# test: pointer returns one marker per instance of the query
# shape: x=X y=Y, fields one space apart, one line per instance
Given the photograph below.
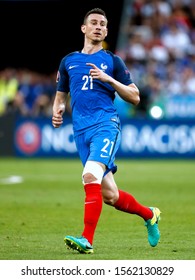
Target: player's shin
x=92 y=210
x=127 y=203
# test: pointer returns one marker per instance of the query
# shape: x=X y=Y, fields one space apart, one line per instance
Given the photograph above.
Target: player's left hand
x=97 y=73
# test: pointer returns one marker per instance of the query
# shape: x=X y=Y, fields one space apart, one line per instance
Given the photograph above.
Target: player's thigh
x=109 y=188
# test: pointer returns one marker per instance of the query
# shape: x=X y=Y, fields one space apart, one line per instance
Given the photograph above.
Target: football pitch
x=41 y=201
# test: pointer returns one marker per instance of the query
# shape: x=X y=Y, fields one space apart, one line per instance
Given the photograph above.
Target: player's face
x=95 y=27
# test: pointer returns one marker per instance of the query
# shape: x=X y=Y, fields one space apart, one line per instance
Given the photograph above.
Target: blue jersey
x=92 y=101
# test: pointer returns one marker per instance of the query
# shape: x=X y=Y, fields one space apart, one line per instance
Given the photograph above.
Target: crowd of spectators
x=160 y=48
x=27 y=93
x=159 y=51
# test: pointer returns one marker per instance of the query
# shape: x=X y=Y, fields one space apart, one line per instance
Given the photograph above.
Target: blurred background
x=156 y=39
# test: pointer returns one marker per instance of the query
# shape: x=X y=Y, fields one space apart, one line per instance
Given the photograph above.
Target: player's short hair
x=94 y=11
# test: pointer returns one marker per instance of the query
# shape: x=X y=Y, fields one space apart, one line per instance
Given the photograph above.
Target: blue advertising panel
x=140 y=138
x=180 y=106
x=158 y=138
x=38 y=138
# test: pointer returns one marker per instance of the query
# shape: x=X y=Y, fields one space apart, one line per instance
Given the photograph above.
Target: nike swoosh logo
x=103 y=155
x=89 y=202
x=70 y=67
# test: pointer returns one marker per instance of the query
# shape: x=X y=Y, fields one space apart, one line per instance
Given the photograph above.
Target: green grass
x=37 y=213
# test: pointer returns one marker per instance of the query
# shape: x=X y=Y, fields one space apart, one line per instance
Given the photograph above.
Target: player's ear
x=106 y=32
x=83 y=28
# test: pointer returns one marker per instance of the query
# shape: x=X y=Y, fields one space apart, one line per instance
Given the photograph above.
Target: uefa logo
x=28 y=138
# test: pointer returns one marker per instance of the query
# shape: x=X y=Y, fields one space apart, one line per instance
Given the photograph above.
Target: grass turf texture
x=37 y=213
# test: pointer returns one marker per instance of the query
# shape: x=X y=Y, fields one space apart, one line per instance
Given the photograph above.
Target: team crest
x=103 y=66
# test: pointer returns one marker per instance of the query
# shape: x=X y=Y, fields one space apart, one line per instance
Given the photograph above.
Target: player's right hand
x=58 y=112
x=57 y=119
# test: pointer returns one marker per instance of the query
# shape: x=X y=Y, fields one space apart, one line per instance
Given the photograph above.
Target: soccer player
x=92 y=76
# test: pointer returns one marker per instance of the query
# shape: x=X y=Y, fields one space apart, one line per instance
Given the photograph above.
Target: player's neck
x=90 y=49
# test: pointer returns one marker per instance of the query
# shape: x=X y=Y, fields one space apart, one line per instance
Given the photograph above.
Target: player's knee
x=110 y=197
x=92 y=173
x=89 y=178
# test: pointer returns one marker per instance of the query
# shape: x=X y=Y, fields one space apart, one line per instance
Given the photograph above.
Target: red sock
x=92 y=210
x=127 y=203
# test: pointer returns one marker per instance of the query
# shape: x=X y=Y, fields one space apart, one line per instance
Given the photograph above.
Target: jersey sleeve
x=121 y=72
x=62 y=78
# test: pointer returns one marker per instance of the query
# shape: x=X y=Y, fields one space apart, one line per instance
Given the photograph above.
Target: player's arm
x=59 y=106
x=129 y=93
